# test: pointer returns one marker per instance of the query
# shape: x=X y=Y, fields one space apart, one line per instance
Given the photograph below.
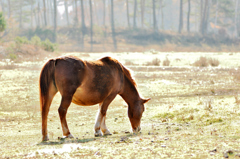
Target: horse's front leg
x=100 y=125
x=98 y=122
x=104 y=127
x=62 y=110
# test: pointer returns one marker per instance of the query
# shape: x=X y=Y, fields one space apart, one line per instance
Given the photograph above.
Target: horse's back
x=89 y=82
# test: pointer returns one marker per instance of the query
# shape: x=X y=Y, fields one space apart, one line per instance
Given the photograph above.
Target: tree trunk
x=9 y=9
x=2 y=4
x=135 y=15
x=50 y=16
x=204 y=18
x=208 y=14
x=44 y=12
x=180 y=17
x=112 y=25
x=162 y=18
x=201 y=15
x=188 y=17
x=236 y=17
x=31 y=14
x=142 y=12
x=38 y=13
x=83 y=23
x=20 y=14
x=216 y=18
x=104 y=13
x=66 y=11
x=154 y=16
x=35 y=16
x=104 y=17
x=95 y=11
x=127 y=8
x=76 y=12
x=83 y=17
x=55 y=20
x=91 y=23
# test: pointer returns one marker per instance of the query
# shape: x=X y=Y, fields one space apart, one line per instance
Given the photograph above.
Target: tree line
x=182 y=16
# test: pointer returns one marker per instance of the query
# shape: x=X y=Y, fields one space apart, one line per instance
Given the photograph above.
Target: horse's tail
x=46 y=78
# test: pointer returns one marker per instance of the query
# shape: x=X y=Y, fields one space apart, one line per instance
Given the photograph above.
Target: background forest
x=125 y=25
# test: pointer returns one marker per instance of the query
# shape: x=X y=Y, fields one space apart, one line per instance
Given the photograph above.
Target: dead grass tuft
x=154 y=62
x=166 y=62
x=237 y=101
x=213 y=62
x=129 y=63
x=205 y=62
x=201 y=62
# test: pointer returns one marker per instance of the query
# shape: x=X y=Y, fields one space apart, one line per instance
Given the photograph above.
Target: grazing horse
x=87 y=83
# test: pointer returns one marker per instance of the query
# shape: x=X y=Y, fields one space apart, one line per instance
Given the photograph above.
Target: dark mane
x=126 y=72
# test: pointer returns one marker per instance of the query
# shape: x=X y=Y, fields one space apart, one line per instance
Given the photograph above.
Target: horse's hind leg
x=45 y=109
x=100 y=124
x=62 y=110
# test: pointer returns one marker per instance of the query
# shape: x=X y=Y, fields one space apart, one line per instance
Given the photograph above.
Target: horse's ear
x=145 y=100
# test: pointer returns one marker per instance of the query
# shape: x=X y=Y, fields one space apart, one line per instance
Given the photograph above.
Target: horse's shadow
x=66 y=141
x=83 y=140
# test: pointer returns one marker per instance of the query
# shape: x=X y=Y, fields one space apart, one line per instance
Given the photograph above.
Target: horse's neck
x=130 y=93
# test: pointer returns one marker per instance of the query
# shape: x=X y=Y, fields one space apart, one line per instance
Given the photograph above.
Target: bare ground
x=194 y=112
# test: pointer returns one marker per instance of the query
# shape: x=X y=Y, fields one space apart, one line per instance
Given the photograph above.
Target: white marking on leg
x=98 y=124
x=104 y=127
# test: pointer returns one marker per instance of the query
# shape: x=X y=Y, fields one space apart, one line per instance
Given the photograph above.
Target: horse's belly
x=85 y=98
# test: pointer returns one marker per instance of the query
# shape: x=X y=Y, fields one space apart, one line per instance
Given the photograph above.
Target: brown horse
x=88 y=83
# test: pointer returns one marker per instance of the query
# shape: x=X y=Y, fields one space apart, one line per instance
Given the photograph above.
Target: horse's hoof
x=107 y=132
x=98 y=134
x=45 y=138
x=70 y=136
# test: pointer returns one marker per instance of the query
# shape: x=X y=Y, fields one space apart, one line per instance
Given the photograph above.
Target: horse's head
x=135 y=114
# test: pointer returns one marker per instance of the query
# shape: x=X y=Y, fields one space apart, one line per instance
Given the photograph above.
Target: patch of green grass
x=214 y=120
x=181 y=115
x=165 y=115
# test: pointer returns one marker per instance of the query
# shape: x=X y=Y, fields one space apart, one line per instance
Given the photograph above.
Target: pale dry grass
x=191 y=115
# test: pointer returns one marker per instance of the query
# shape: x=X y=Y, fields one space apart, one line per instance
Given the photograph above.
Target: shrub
x=48 y=45
x=154 y=62
x=204 y=62
x=201 y=62
x=35 y=40
x=2 y=22
x=166 y=62
x=213 y=62
x=21 y=40
x=41 y=33
x=12 y=56
x=129 y=63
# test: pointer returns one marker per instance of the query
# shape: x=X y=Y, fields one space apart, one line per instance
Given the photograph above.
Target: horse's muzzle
x=137 y=129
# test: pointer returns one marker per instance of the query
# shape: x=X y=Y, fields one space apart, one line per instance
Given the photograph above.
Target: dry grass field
x=194 y=111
